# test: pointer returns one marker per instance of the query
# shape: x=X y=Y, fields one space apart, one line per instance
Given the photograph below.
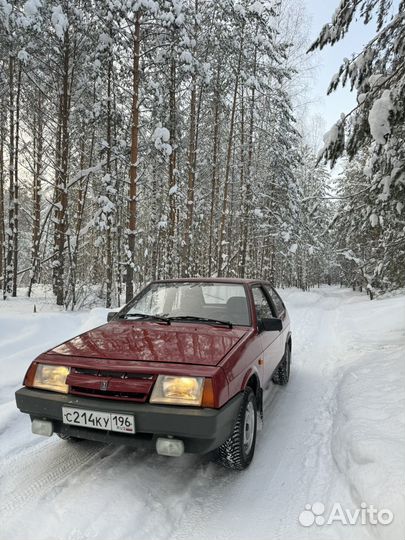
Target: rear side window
x=220 y=293
x=262 y=306
x=278 y=303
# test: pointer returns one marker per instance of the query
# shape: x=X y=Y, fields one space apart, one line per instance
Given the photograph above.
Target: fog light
x=42 y=427
x=169 y=447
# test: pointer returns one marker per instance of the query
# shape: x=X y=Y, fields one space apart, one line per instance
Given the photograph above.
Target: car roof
x=211 y=280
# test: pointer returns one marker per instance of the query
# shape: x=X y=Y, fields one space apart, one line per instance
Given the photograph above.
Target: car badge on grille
x=103 y=385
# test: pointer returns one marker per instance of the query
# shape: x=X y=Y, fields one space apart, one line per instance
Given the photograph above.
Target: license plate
x=123 y=423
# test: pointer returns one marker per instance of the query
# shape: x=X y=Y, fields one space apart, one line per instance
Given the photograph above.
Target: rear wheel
x=282 y=373
x=237 y=451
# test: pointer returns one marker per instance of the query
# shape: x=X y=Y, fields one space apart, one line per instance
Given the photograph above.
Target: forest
x=150 y=139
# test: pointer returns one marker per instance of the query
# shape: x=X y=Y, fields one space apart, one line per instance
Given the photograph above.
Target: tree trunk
x=212 y=248
x=191 y=181
x=58 y=158
x=81 y=201
x=36 y=193
x=242 y=175
x=133 y=171
x=16 y=186
x=109 y=258
x=61 y=196
x=118 y=266
x=2 y=215
x=246 y=193
x=225 y=203
x=154 y=229
x=9 y=272
x=170 y=255
x=192 y=164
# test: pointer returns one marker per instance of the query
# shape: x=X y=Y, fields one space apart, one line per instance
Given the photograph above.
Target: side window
x=278 y=303
x=263 y=309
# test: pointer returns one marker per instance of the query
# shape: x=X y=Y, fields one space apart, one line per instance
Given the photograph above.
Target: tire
x=238 y=450
x=281 y=375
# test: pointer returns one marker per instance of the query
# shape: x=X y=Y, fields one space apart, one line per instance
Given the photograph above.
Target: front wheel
x=238 y=450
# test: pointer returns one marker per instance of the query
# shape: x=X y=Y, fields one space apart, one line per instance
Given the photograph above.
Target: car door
x=270 y=340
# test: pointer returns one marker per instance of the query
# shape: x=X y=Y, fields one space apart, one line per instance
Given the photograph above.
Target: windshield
x=220 y=301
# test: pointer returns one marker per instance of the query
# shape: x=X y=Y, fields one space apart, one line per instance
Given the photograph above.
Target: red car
x=181 y=368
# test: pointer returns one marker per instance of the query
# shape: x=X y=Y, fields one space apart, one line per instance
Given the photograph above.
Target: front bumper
x=201 y=430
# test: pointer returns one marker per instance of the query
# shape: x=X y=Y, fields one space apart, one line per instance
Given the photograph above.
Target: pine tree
x=374 y=129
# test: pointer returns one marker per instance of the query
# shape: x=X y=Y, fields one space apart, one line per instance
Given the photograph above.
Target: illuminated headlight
x=50 y=377
x=178 y=390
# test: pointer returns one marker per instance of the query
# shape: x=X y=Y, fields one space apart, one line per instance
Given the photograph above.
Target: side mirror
x=270 y=325
x=111 y=315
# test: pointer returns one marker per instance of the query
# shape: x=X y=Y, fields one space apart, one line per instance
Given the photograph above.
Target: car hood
x=152 y=342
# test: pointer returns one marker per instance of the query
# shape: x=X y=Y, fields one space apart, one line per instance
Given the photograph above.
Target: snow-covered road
x=335 y=434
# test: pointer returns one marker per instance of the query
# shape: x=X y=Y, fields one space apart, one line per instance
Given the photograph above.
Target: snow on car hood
x=151 y=342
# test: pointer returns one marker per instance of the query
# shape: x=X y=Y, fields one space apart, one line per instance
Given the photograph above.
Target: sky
x=330 y=58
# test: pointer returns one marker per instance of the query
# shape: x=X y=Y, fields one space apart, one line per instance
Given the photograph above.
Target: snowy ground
x=335 y=434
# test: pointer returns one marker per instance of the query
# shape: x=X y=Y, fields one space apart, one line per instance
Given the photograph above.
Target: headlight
x=50 y=377
x=178 y=390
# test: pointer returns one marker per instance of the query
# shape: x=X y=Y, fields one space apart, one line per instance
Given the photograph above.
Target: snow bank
x=294 y=297
x=24 y=335
x=368 y=441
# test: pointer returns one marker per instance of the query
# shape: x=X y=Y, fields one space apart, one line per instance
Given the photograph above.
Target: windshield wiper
x=201 y=319
x=145 y=316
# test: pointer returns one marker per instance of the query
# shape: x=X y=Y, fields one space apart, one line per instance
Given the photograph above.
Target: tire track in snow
x=31 y=475
x=267 y=471
x=298 y=423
